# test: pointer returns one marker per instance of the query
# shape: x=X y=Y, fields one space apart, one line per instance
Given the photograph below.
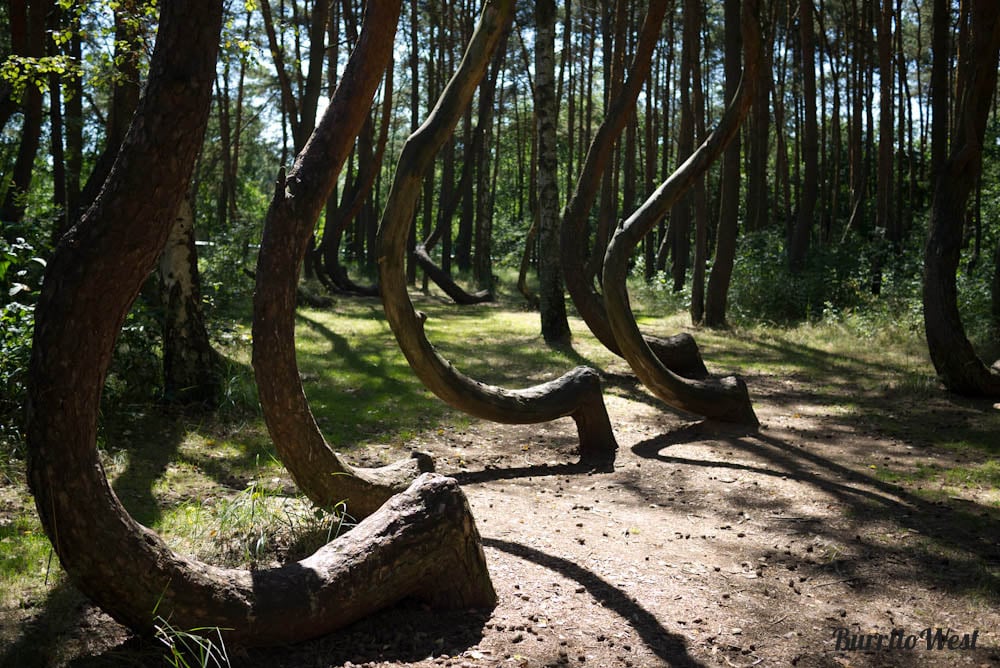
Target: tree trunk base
x=680 y=354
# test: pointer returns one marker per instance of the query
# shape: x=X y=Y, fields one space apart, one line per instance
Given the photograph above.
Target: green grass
x=26 y=560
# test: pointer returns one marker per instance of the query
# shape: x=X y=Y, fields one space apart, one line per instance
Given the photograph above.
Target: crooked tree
x=956 y=171
x=298 y=199
x=576 y=394
x=724 y=399
x=423 y=543
x=679 y=352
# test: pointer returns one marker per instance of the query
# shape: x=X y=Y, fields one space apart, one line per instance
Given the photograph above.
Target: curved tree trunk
x=422 y=255
x=955 y=360
x=297 y=202
x=445 y=282
x=726 y=399
x=576 y=394
x=680 y=352
x=423 y=543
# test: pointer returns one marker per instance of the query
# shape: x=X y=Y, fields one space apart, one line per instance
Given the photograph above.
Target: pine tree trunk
x=955 y=360
x=552 y=300
x=805 y=221
x=729 y=208
x=288 y=226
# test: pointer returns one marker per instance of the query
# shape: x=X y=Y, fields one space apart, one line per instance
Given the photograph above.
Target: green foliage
x=765 y=289
x=24 y=71
x=135 y=373
x=16 y=327
x=20 y=275
x=837 y=282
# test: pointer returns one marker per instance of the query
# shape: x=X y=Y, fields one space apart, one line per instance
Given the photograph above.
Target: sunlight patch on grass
x=359 y=385
x=257 y=527
x=986 y=475
x=26 y=559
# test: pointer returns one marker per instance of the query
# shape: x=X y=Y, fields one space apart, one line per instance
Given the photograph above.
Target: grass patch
x=358 y=383
x=26 y=559
x=257 y=527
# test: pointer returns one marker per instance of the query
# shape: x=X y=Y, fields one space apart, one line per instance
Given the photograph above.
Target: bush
x=20 y=275
x=836 y=278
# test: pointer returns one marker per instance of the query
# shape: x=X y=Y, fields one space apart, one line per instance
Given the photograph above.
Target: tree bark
x=552 y=299
x=124 y=99
x=954 y=358
x=726 y=399
x=482 y=259
x=13 y=206
x=576 y=394
x=804 y=223
x=680 y=215
x=298 y=199
x=886 y=219
x=699 y=202
x=729 y=206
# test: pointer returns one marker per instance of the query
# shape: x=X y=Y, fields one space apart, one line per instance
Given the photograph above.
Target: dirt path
x=704 y=547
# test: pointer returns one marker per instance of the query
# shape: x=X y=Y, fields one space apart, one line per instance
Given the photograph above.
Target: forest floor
x=867 y=503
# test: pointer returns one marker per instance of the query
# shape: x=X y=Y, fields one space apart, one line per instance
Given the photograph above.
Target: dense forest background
x=831 y=200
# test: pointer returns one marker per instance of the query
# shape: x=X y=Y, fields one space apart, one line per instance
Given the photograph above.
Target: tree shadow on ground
x=493 y=474
x=969 y=528
x=407 y=632
x=66 y=624
x=669 y=647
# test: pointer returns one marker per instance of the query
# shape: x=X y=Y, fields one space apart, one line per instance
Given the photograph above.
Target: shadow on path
x=965 y=525
x=670 y=647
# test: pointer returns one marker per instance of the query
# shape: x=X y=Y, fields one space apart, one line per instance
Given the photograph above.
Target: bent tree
x=576 y=394
x=722 y=399
x=680 y=352
x=288 y=227
x=954 y=358
x=423 y=543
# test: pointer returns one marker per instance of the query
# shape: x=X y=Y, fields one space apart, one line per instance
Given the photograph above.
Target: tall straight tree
x=680 y=216
x=729 y=206
x=552 y=300
x=799 y=243
x=27 y=39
